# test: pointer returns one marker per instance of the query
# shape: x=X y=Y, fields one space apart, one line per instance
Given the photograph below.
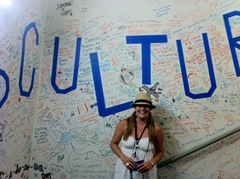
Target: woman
x=141 y=142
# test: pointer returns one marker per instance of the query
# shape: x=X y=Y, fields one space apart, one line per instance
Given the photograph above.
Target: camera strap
x=136 y=144
x=138 y=139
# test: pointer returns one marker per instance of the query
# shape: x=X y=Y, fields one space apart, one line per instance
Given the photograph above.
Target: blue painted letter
x=233 y=42
x=4 y=75
x=54 y=67
x=146 y=41
x=99 y=91
x=210 y=70
x=22 y=92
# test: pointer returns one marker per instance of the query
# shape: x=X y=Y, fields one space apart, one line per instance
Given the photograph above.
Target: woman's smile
x=142 y=111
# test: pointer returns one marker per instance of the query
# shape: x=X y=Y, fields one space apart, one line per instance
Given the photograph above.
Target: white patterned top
x=145 y=151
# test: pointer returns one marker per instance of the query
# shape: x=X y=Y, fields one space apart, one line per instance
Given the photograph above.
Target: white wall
x=20 y=54
x=84 y=87
x=220 y=160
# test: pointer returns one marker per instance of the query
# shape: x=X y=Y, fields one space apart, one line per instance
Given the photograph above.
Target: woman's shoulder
x=123 y=122
x=158 y=128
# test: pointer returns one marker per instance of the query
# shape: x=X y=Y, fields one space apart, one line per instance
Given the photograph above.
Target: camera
x=137 y=163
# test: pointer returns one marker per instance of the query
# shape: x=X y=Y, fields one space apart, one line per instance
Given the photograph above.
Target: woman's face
x=142 y=111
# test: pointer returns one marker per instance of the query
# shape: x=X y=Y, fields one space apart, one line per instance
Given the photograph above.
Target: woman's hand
x=145 y=167
x=128 y=162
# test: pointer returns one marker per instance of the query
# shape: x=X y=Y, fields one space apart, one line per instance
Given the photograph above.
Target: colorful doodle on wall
x=70 y=71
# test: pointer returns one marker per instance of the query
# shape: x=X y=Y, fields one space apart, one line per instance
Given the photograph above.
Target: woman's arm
x=159 y=148
x=114 y=144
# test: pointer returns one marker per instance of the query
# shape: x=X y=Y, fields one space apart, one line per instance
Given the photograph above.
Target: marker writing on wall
x=145 y=41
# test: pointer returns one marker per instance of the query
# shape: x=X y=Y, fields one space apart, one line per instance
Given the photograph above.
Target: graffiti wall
x=220 y=160
x=70 y=70
x=20 y=59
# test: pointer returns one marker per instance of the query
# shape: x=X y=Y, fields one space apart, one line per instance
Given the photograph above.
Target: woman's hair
x=130 y=127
